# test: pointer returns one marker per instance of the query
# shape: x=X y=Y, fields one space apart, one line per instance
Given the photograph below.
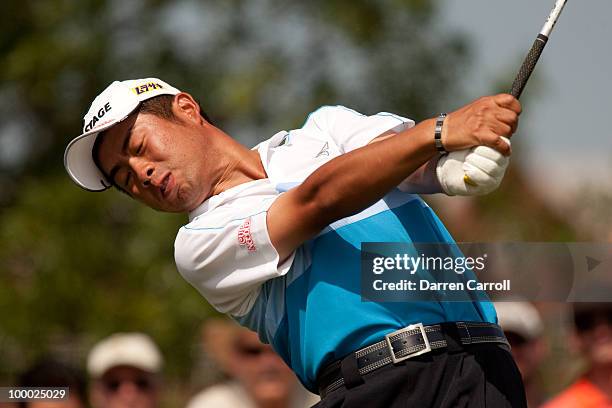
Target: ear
x=186 y=108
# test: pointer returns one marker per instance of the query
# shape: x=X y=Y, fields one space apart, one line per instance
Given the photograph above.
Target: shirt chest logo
x=324 y=151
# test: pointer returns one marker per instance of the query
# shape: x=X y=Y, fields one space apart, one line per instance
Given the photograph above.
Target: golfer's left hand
x=475 y=171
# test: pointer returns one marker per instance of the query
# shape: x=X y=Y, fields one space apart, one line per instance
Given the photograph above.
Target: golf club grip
x=528 y=65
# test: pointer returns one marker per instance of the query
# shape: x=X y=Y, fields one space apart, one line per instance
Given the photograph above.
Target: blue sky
x=566 y=141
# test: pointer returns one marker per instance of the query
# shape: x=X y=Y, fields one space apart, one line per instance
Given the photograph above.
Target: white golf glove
x=483 y=166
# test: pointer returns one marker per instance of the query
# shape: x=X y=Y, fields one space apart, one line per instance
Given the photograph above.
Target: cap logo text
x=96 y=117
x=151 y=86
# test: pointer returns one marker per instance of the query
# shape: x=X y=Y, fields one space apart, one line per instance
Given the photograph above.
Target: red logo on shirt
x=245 y=238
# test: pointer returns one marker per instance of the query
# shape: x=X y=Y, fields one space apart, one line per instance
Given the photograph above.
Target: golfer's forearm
x=424 y=180
x=354 y=181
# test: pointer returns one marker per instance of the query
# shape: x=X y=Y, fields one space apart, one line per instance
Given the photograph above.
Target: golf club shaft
x=536 y=50
x=531 y=60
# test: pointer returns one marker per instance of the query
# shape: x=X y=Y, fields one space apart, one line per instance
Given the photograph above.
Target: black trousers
x=476 y=376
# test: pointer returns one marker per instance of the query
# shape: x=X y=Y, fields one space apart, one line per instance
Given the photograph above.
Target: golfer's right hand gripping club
x=532 y=59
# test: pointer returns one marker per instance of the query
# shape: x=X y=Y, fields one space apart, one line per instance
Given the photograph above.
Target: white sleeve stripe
x=403 y=120
x=313 y=112
x=350 y=110
x=330 y=106
x=354 y=112
x=223 y=226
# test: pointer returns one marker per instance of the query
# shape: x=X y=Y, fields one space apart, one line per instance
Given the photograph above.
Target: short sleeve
x=227 y=263
x=350 y=129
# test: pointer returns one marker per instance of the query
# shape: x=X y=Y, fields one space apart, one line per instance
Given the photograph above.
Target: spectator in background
x=125 y=370
x=593 y=340
x=258 y=376
x=523 y=327
x=49 y=372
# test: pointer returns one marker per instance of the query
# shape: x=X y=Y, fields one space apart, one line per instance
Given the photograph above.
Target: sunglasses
x=515 y=339
x=251 y=351
x=113 y=384
x=586 y=321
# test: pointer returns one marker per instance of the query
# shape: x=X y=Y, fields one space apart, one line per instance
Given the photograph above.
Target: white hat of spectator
x=521 y=318
x=124 y=349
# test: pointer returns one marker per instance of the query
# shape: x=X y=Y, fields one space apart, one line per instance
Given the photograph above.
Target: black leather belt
x=409 y=342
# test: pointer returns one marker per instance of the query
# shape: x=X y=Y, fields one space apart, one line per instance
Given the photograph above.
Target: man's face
x=261 y=371
x=528 y=353
x=594 y=335
x=71 y=402
x=157 y=161
x=125 y=387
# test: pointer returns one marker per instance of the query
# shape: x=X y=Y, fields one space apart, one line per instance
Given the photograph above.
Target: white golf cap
x=124 y=349
x=112 y=106
x=521 y=318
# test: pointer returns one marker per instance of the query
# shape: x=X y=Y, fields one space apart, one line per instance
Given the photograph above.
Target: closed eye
x=128 y=177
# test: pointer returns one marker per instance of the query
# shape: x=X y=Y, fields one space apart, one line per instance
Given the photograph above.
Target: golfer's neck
x=239 y=169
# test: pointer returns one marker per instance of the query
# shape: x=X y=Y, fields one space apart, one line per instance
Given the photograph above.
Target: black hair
x=49 y=372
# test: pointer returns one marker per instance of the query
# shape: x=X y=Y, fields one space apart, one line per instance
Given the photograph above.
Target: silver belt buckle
x=418 y=326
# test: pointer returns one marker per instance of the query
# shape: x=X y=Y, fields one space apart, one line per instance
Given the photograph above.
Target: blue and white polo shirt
x=309 y=307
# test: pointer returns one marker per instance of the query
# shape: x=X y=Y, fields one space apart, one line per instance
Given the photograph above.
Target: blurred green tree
x=76 y=266
x=256 y=65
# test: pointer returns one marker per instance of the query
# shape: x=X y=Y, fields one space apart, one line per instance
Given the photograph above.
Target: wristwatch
x=438 y=134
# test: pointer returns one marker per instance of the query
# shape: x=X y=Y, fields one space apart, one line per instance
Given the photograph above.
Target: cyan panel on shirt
x=314 y=314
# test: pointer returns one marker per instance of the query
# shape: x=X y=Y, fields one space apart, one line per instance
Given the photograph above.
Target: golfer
x=274 y=234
